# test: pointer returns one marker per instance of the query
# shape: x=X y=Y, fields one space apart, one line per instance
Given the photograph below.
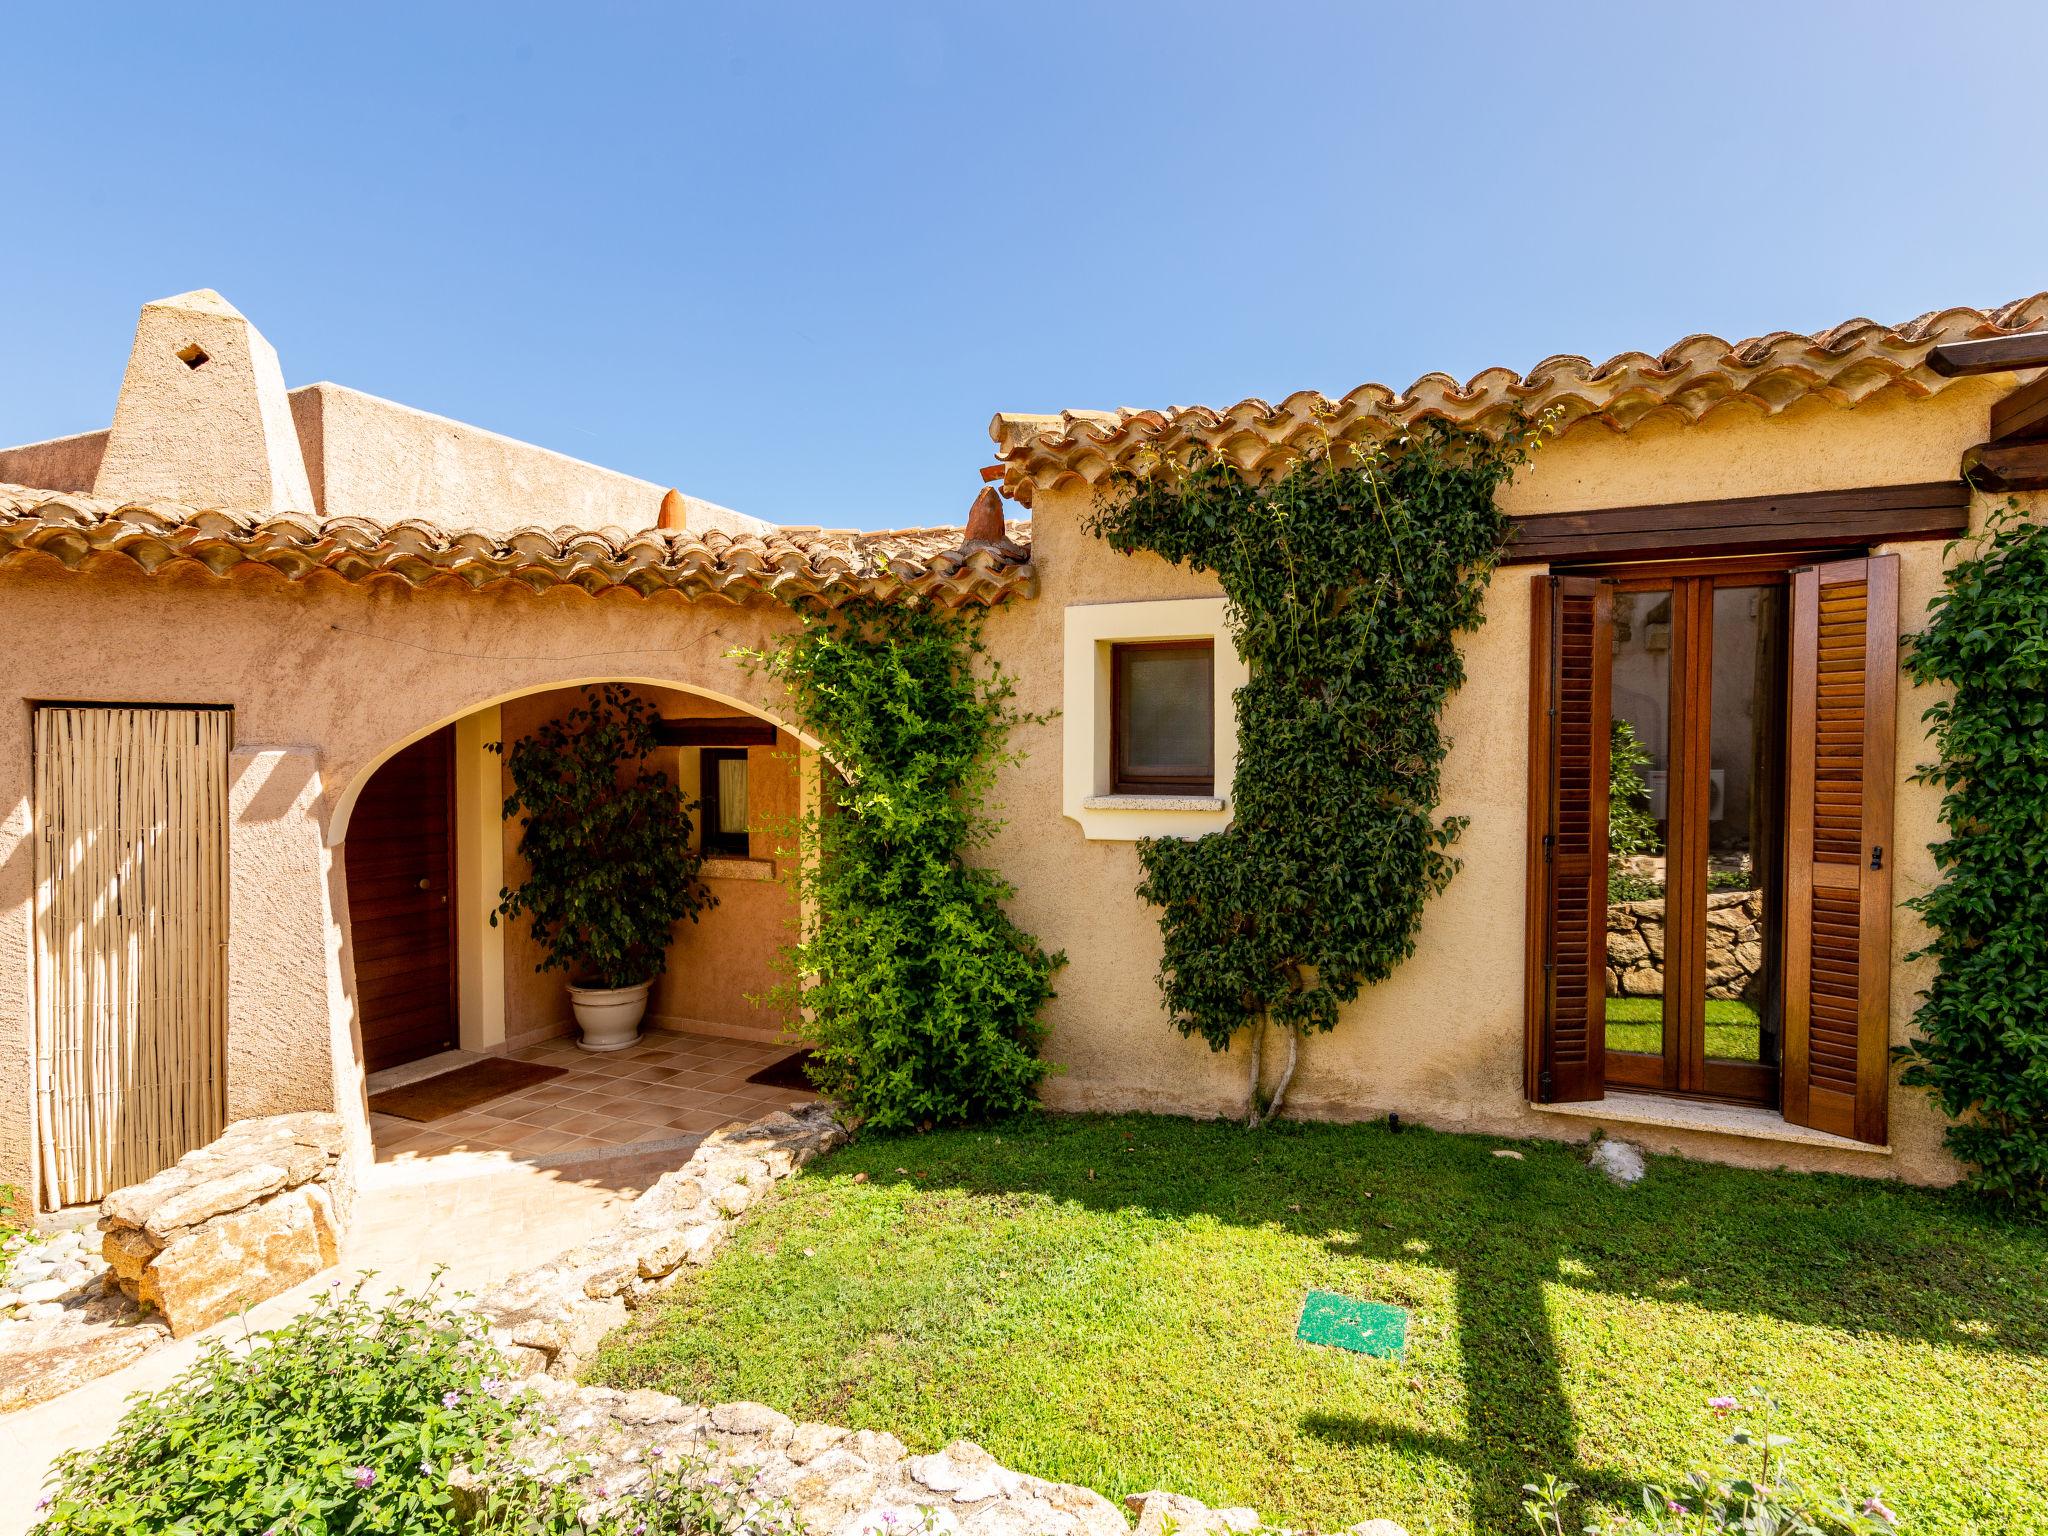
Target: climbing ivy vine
x=1349 y=579
x=922 y=993
x=1982 y=1041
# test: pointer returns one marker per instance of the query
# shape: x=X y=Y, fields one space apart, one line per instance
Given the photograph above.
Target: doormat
x=449 y=1093
x=786 y=1073
x=1365 y=1327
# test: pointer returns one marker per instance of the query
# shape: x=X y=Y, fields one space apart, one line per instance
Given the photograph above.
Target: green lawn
x=1112 y=1301
x=1637 y=1024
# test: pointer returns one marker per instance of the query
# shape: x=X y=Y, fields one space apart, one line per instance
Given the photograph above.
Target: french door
x=1711 y=791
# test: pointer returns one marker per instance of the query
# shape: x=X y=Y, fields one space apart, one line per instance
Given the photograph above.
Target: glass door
x=1695 y=753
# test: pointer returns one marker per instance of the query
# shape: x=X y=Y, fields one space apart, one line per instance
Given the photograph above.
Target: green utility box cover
x=1366 y=1327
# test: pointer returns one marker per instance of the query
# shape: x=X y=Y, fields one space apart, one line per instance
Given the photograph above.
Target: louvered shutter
x=1838 y=812
x=1575 y=642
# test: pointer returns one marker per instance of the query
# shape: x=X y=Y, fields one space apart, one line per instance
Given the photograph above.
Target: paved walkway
x=482 y=1215
x=665 y=1086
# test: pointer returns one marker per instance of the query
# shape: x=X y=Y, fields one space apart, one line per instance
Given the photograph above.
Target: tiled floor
x=666 y=1086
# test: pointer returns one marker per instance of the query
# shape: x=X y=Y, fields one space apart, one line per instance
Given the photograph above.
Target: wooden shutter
x=1573 y=650
x=1838 y=813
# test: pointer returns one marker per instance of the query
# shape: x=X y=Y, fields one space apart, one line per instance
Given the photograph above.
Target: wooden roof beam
x=2008 y=467
x=1993 y=354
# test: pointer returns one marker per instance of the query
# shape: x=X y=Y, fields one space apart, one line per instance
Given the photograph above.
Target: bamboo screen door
x=131 y=942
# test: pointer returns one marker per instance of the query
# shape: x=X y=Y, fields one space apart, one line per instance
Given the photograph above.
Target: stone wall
x=824 y=1480
x=552 y=1318
x=234 y=1222
x=1735 y=953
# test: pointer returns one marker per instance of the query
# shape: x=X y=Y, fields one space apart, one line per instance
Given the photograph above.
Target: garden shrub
x=606 y=842
x=1631 y=829
x=1349 y=581
x=922 y=995
x=1982 y=1042
x=346 y=1419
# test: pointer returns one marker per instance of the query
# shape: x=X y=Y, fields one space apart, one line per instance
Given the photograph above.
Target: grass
x=1637 y=1024
x=1112 y=1301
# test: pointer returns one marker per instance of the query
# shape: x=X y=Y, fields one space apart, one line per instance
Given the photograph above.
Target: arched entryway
x=439 y=991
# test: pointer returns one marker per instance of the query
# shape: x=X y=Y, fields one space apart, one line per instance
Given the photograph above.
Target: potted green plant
x=607 y=848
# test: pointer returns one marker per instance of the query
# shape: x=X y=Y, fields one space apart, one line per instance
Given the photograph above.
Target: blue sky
x=792 y=258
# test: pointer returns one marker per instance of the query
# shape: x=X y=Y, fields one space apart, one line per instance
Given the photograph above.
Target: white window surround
x=1085 y=797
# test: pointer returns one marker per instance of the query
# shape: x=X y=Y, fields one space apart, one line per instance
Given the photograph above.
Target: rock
x=232 y=1223
x=1376 y=1528
x=237 y=1260
x=814 y=1440
x=1621 y=1161
x=43 y=1290
x=753 y=1419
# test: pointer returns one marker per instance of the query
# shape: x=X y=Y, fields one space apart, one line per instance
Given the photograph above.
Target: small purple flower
x=888 y=1517
x=491 y=1384
x=362 y=1477
x=42 y=1504
x=451 y=1400
x=1723 y=1404
x=1876 y=1506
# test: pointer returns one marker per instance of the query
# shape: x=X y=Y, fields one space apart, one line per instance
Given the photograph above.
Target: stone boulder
x=235 y=1222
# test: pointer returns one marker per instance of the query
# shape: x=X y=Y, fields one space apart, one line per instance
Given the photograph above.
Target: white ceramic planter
x=609 y=1016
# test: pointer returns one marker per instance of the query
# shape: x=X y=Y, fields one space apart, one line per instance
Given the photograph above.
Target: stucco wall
x=1441 y=1040
x=351 y=673
x=375 y=458
x=61 y=464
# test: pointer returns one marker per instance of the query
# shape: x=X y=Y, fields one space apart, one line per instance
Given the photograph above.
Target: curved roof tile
x=1845 y=364
x=792 y=564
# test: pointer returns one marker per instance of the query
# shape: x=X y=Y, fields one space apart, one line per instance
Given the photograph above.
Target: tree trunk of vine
x=1286 y=1074
x=1251 y=1098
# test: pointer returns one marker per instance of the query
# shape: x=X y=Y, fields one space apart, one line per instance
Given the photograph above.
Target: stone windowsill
x=1751 y=1122
x=737 y=869
x=1153 y=803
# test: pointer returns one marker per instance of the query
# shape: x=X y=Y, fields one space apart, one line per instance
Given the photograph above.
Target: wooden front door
x=400 y=855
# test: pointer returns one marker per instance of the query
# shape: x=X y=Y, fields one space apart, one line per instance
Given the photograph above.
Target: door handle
x=1877 y=855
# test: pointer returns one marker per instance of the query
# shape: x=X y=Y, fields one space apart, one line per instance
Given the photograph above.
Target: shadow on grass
x=1830 y=1252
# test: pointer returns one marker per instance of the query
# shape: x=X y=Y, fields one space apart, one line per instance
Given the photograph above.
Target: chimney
x=203 y=417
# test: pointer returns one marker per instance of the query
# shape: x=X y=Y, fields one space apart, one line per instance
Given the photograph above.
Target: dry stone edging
x=549 y=1321
x=605 y=1444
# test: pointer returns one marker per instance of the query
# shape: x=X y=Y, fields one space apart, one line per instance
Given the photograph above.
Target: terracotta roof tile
x=1846 y=364
x=822 y=565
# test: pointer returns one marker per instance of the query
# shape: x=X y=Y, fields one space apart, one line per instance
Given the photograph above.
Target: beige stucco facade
x=1441 y=1041
x=330 y=674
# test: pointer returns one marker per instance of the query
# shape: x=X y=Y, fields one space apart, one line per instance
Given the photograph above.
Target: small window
x=725 y=802
x=1163 y=718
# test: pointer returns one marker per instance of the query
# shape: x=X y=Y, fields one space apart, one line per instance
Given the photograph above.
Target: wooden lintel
x=1993 y=354
x=1746 y=525
x=2022 y=416
x=2008 y=466
x=716 y=731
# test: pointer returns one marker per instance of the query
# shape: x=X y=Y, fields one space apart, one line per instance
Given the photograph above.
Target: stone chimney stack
x=203 y=417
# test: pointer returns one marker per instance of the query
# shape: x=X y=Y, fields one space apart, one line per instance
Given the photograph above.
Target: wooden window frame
x=1123 y=779
x=1684 y=1070
x=1822 y=1021
x=716 y=844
